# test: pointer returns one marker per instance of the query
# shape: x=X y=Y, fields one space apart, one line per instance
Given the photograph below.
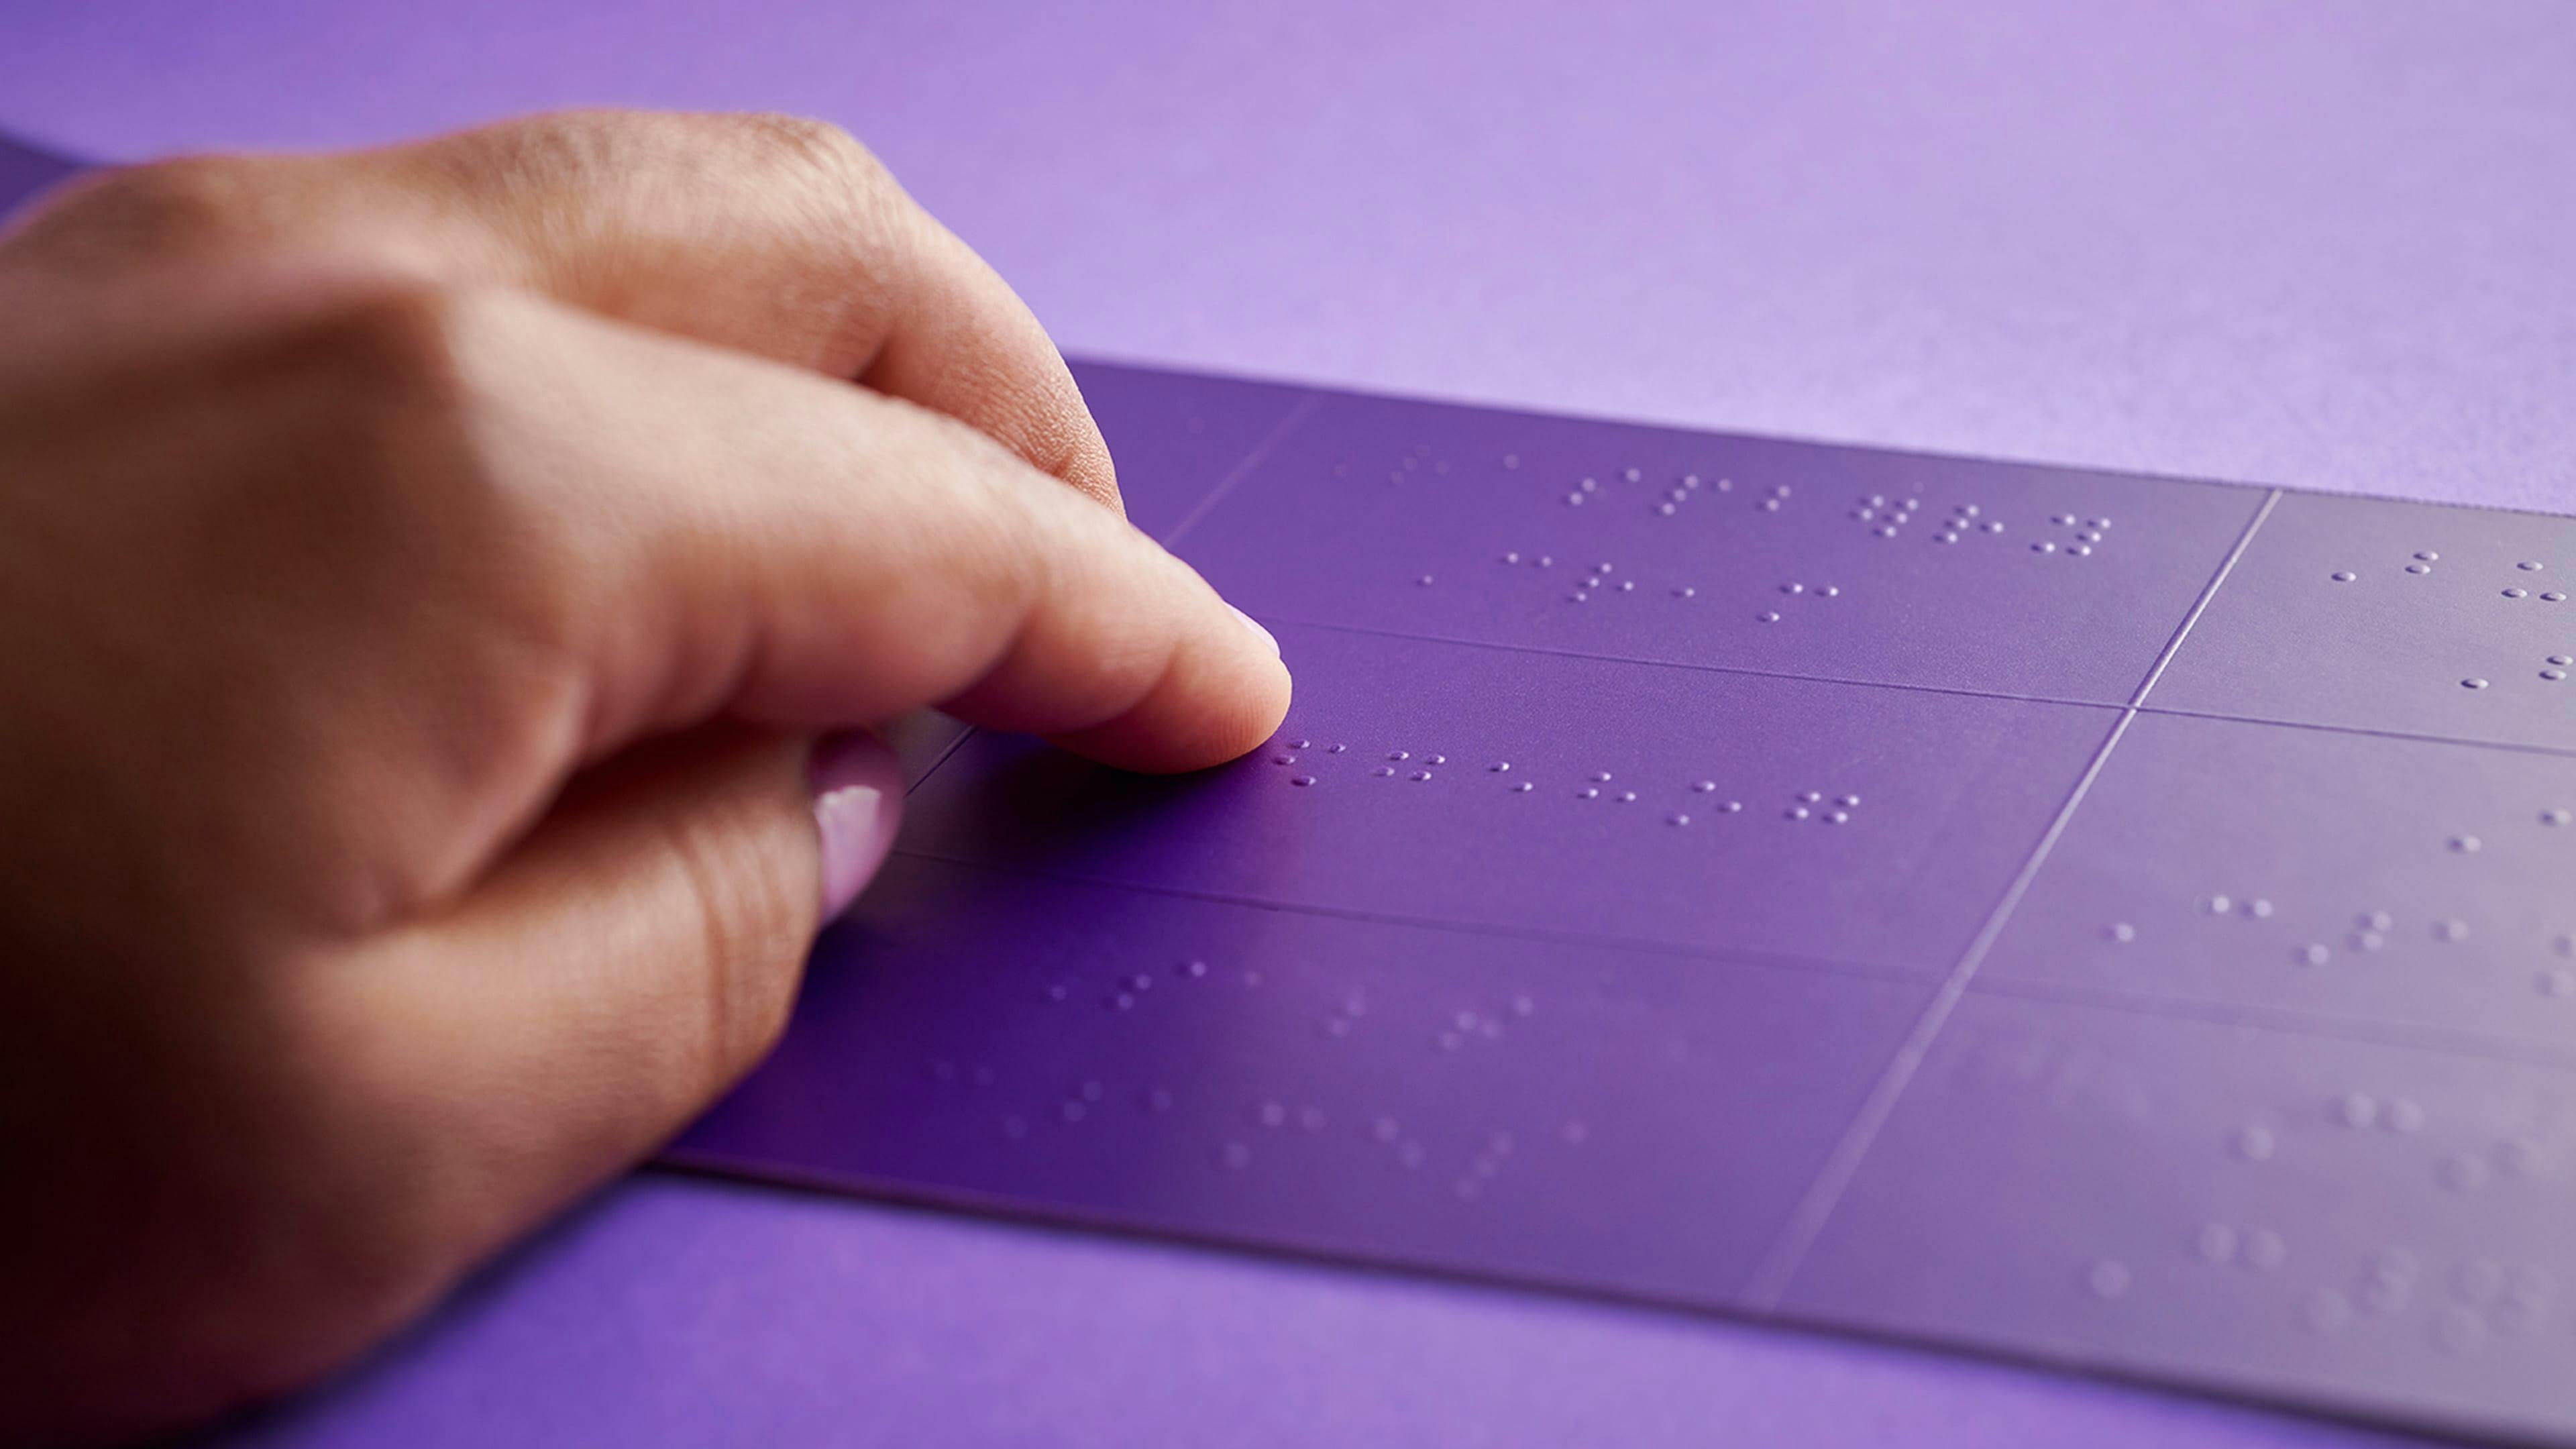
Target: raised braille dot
x=2357 y=1109
x=1888 y=531
x=2260 y=910
x=2558 y=817
x=2080 y=550
x=2255 y=1144
x=1793 y=588
x=1632 y=475
x=1704 y=787
x=1829 y=592
x=2378 y=921
x=1399 y=754
x=1994 y=526
x=1500 y=767
x=1799 y=812
x=2466 y=844
x=2562 y=660
x=2265 y=1250
x=1627 y=797
x=1522 y=788
x=2316 y=954
x=1303 y=780
x=2529 y=568
x=2473 y=684
x=1601 y=777
x=1587 y=793
x=2553 y=596
x=1770 y=505
x=2064 y=520
x=1665 y=509
x=1424 y=581
x=1383 y=770
x=2417 y=568
x=1435 y=760
x=2108 y=1279
x=1768 y=616
x=2218 y=905
x=2344 y=576
x=2403 y=1115
x=1734 y=807
x=1511 y=460
x=2553 y=675
x=1283 y=759
x=1685 y=592
x=2452 y=931
x=2369 y=940
x=2122 y=932
x=1679 y=819
x=2216 y=1242
x=2428 y=556
x=2517 y=593
x=1590 y=485
x=2043 y=547
x=1237 y=1156
x=1421 y=775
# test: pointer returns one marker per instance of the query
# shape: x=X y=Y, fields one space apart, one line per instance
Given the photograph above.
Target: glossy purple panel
x=2343 y=877
x=2414 y=617
x=1176 y=436
x=1583 y=797
x=1658 y=544
x=2372 y=1227
x=1612 y=1119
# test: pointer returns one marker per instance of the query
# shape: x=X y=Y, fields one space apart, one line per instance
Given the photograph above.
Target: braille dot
x=2404 y=1115
x=2254 y=1144
x=1793 y=588
x=1799 y=812
x=1704 y=787
x=2452 y=931
x=2428 y=556
x=1679 y=819
x=2357 y=1109
x=2122 y=932
x=1237 y=1156
x=2558 y=817
x=1627 y=586
x=1302 y=780
x=2216 y=1242
x=1421 y=775
x=1829 y=592
x=1685 y=592
x=1522 y=788
x=1734 y=807
x=1196 y=968
x=1424 y=581
x=1574 y=500
x=2562 y=660
x=2260 y=910
x=2369 y=940
x=2557 y=982
x=1770 y=505
x=2553 y=596
x=2553 y=675
x=1768 y=617
x=2064 y=520
x=2378 y=921
x=1627 y=797
x=1383 y=770
x=2043 y=547
x=1500 y=767
x=1587 y=793
x=2416 y=568
x=2517 y=593
x=2473 y=684
x=2265 y=1250
x=2345 y=576
x=1601 y=777
x=1888 y=531
x=2219 y=905
x=2080 y=550
x=2316 y=954
x=1665 y=509
x=1283 y=759
x=1632 y=475
x=1014 y=1127
x=1399 y=754
x=2463 y=1173
x=1995 y=526
x=1546 y=561
x=2467 y=844
x=1511 y=460
x=1435 y=759
x=2109 y=1279
x=2529 y=568
x=1590 y=485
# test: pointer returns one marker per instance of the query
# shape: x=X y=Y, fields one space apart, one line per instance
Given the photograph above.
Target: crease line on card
x=1779 y=1264
x=1260 y=454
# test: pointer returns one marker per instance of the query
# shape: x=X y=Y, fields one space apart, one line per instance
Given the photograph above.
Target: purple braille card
x=2121 y=922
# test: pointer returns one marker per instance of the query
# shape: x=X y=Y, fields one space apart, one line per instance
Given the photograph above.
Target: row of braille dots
x=1886 y=517
x=2488 y=1297
x=2462 y=1171
x=1127 y=989
x=1799 y=591
x=2553 y=669
x=2088 y=535
x=2261 y=1249
x=1594 y=579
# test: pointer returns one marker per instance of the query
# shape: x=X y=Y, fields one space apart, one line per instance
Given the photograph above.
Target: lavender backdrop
x=2320 y=243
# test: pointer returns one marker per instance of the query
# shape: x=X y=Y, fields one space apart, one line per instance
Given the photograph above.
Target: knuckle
x=166 y=209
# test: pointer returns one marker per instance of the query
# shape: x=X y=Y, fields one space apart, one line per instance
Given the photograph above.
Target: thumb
x=627 y=963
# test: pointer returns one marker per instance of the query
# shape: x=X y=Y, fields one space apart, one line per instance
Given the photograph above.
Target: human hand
x=424 y=577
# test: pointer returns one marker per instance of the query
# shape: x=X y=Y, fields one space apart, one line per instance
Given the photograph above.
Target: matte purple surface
x=1377 y=991
x=2311 y=243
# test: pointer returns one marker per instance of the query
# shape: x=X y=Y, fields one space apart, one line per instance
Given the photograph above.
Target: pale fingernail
x=1268 y=640
x=858 y=801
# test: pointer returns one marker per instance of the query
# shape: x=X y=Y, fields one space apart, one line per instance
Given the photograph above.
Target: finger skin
x=767 y=234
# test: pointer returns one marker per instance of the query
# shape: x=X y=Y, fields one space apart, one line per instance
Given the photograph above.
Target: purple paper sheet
x=1908 y=894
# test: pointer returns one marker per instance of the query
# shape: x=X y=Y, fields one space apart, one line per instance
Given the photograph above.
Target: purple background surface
x=2319 y=244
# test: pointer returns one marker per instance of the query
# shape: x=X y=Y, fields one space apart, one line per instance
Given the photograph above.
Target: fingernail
x=1268 y=640
x=858 y=801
